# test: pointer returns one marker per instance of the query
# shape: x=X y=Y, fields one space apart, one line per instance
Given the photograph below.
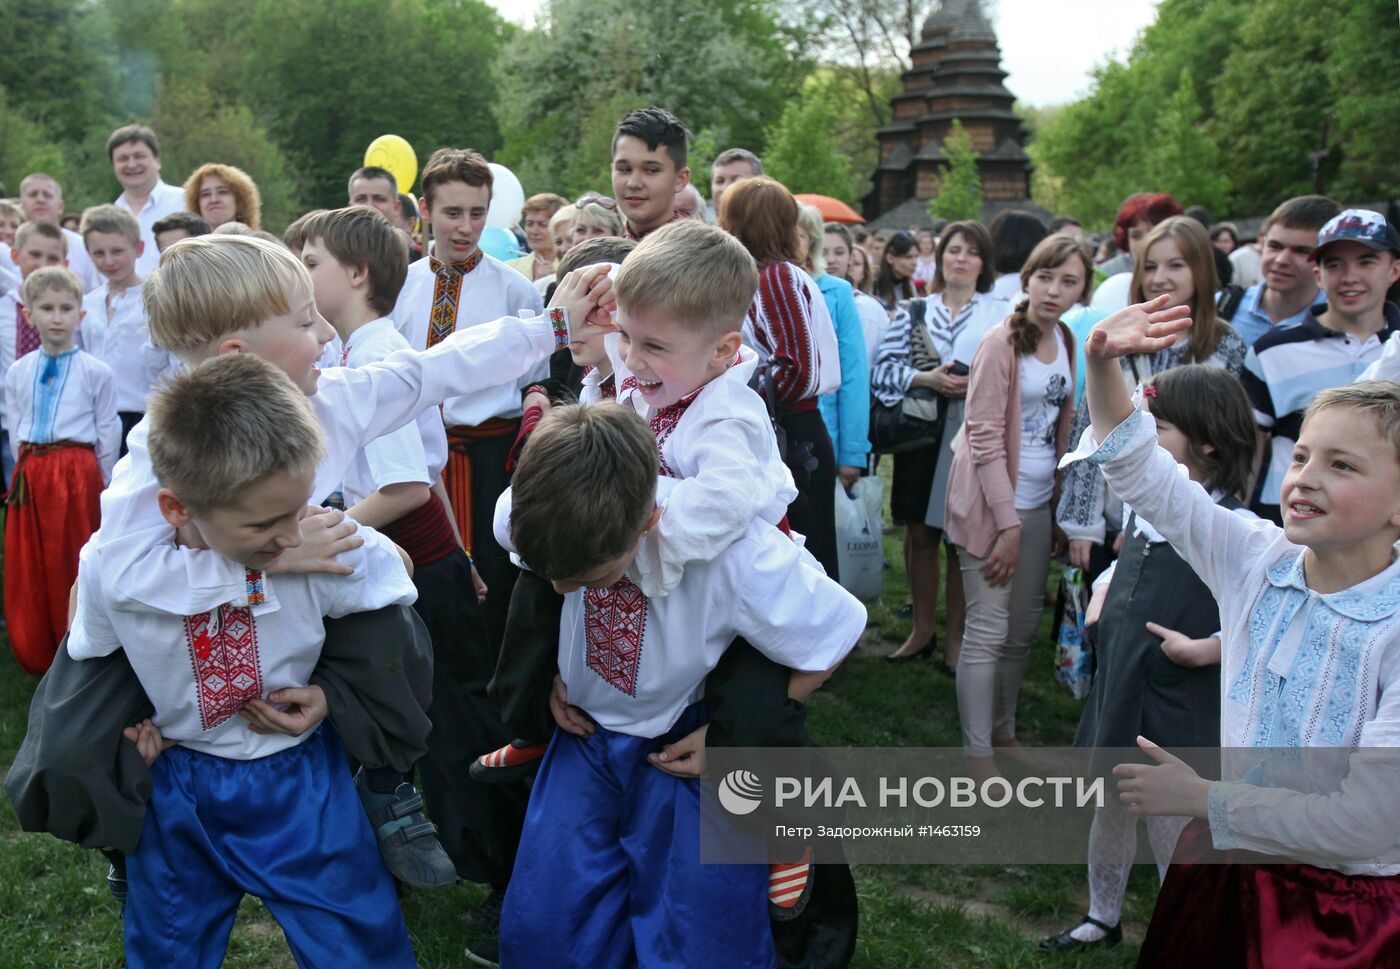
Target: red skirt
x=53 y=511
x=1240 y=912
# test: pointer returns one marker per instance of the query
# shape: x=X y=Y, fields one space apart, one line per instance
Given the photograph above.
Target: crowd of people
x=530 y=535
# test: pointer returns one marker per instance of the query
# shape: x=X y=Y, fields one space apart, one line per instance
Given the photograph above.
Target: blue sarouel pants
x=287 y=828
x=609 y=876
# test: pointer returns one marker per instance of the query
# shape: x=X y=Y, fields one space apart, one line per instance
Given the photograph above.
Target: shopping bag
x=860 y=554
x=1074 y=657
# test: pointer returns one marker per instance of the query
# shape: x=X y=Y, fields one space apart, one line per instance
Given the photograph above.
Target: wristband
x=559 y=322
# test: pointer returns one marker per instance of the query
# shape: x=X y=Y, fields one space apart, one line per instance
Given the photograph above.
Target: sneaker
x=116 y=878
x=790 y=887
x=407 y=839
x=514 y=761
x=485 y=953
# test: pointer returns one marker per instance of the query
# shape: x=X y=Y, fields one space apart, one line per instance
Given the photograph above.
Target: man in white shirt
x=135 y=157
x=41 y=200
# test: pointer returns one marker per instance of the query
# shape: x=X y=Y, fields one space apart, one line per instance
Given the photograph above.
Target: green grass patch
x=58 y=912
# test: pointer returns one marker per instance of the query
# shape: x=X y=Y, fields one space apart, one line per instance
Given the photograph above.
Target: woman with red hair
x=1136 y=217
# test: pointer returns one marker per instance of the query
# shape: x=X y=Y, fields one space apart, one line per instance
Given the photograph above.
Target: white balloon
x=507 y=198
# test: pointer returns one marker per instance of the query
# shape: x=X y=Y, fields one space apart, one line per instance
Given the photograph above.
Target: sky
x=1048 y=47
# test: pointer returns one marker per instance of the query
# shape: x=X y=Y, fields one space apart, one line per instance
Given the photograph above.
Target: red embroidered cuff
x=559 y=321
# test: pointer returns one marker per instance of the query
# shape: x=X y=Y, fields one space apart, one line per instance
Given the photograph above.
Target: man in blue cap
x=1357 y=259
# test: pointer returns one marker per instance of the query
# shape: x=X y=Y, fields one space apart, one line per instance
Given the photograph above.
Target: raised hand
x=1140 y=328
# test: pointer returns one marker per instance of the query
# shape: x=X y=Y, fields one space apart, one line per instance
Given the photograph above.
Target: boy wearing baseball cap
x=1357 y=259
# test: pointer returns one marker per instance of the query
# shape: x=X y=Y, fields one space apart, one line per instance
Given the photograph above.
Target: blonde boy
x=37 y=244
x=217 y=295
x=1309 y=615
x=114 y=325
x=234 y=449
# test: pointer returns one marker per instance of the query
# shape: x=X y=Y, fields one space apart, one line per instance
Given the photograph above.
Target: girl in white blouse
x=1310 y=657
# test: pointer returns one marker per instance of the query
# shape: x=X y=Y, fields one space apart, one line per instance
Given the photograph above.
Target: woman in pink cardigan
x=1020 y=403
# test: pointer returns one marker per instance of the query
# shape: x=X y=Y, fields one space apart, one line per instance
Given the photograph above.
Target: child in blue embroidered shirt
x=1309 y=613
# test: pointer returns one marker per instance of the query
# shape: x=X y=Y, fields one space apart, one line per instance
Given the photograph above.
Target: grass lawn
x=57 y=911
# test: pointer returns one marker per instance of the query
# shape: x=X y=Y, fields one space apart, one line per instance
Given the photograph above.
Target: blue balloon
x=499 y=243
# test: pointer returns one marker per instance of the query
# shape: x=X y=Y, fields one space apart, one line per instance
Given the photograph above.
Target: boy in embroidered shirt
x=357 y=262
x=235 y=447
x=114 y=318
x=1356 y=260
x=1308 y=611
x=37 y=244
x=583 y=495
x=61 y=412
x=457 y=289
x=688 y=288
x=226 y=294
x=648 y=168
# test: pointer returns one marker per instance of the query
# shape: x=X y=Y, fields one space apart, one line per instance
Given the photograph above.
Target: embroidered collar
x=635 y=237
x=463 y=267
x=1376 y=598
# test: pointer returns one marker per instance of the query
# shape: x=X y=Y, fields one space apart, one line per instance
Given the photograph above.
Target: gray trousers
x=1001 y=623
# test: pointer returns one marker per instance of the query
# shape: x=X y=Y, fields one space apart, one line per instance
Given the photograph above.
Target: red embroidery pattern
x=664 y=422
x=607 y=387
x=615 y=621
x=224 y=653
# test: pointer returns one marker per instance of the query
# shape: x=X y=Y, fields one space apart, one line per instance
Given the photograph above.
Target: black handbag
x=917 y=420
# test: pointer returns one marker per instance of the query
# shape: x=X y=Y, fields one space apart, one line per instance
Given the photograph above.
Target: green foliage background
x=1219 y=102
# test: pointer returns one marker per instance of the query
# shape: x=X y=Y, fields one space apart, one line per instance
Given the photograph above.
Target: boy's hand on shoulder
x=146 y=736
x=325 y=533
x=685 y=757
x=570 y=718
x=1140 y=328
x=306 y=707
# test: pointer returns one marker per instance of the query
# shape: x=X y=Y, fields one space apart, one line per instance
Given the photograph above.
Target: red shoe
x=790 y=887
x=512 y=762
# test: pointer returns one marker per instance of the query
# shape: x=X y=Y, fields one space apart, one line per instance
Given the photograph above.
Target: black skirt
x=912 y=484
x=1137 y=689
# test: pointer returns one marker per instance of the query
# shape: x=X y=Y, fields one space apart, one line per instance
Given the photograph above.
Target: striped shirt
x=953 y=338
x=779 y=327
x=1287 y=368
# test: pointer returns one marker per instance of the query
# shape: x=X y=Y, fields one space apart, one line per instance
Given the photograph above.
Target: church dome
x=959 y=20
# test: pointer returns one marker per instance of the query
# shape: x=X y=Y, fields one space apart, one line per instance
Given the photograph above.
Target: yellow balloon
x=396 y=155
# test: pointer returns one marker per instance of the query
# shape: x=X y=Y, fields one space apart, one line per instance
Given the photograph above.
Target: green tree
x=960 y=188
x=1094 y=152
x=196 y=127
x=1181 y=158
x=722 y=66
x=1365 y=76
x=800 y=151
x=1272 y=98
x=25 y=148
